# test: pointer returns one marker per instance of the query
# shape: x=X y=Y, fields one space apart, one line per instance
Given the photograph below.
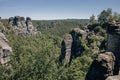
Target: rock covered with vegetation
x=105 y=66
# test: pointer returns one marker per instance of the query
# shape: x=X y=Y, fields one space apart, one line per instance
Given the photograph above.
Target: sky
x=56 y=9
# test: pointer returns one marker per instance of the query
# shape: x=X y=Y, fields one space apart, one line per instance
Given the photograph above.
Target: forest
x=37 y=57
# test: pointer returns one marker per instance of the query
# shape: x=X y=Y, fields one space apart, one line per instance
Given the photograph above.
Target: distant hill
x=59 y=27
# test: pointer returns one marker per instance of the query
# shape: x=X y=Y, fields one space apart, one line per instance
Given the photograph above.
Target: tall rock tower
x=113 y=42
x=71 y=46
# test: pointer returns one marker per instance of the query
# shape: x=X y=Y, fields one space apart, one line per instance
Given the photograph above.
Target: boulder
x=101 y=67
x=116 y=77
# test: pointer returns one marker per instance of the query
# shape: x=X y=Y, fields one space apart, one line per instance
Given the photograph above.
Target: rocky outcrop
x=113 y=43
x=22 y=26
x=29 y=25
x=65 y=56
x=5 y=49
x=71 y=46
x=11 y=19
x=77 y=35
x=116 y=77
x=101 y=67
x=97 y=70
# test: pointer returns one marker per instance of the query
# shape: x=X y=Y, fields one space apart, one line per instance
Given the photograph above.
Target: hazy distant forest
x=37 y=57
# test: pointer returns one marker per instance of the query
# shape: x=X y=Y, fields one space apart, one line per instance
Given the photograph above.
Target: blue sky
x=56 y=9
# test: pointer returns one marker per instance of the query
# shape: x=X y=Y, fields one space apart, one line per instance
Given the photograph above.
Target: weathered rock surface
x=116 y=77
x=22 y=26
x=101 y=67
x=71 y=46
x=65 y=57
x=5 y=49
x=77 y=48
x=113 y=43
x=111 y=72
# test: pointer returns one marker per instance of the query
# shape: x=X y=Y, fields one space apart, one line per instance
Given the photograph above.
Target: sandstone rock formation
x=22 y=26
x=101 y=67
x=11 y=19
x=71 y=46
x=5 y=49
x=66 y=49
x=113 y=43
x=98 y=71
x=76 y=34
x=29 y=25
x=116 y=77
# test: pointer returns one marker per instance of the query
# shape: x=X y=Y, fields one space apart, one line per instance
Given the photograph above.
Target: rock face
x=22 y=26
x=77 y=49
x=116 y=77
x=101 y=67
x=71 y=46
x=11 y=19
x=65 y=57
x=113 y=43
x=5 y=49
x=111 y=72
x=29 y=25
x=113 y=38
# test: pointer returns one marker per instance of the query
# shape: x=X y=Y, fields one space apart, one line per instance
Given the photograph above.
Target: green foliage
x=105 y=16
x=92 y=19
x=108 y=16
x=59 y=27
x=116 y=16
x=100 y=31
x=36 y=58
